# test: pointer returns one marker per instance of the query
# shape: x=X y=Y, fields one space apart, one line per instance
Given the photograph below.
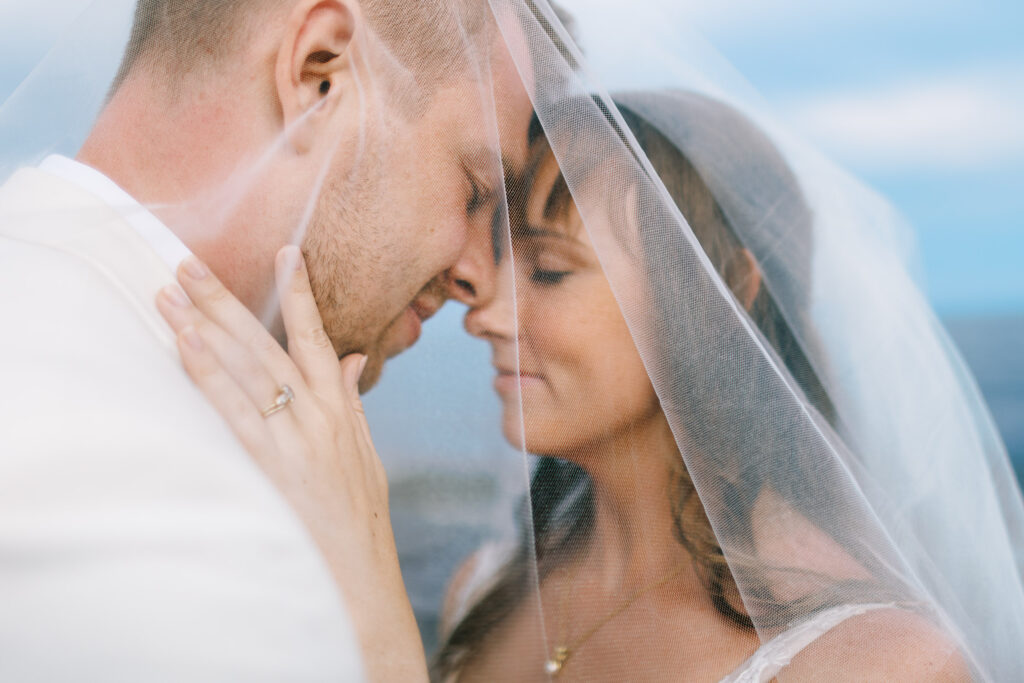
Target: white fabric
x=138 y=541
x=157 y=235
x=778 y=652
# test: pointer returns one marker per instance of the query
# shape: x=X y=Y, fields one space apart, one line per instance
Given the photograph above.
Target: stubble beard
x=344 y=262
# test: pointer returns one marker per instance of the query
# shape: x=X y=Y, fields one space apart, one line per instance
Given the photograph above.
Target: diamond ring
x=285 y=395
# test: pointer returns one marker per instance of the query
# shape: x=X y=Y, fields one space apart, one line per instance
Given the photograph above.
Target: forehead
x=550 y=209
x=513 y=83
x=487 y=107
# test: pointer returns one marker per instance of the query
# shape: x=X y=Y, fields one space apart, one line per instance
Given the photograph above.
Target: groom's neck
x=177 y=155
x=165 y=147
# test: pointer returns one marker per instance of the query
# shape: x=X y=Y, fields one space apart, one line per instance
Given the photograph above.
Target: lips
x=425 y=307
x=509 y=381
x=410 y=322
x=504 y=370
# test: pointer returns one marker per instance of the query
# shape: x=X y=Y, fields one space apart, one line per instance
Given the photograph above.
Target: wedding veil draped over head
x=829 y=448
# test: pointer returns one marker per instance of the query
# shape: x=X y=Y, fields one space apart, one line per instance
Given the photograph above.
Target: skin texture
x=580 y=392
x=297 y=140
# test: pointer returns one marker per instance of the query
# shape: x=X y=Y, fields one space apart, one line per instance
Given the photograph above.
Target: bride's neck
x=633 y=476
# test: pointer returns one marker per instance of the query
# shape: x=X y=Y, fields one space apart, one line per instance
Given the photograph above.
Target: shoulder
x=28 y=187
x=887 y=644
x=39 y=207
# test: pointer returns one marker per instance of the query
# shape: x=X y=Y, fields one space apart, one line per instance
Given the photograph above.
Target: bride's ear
x=314 y=66
x=743 y=276
x=632 y=237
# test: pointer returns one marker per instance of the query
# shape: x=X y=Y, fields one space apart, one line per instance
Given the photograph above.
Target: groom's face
x=387 y=250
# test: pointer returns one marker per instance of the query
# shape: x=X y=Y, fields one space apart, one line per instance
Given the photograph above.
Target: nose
x=493 y=318
x=472 y=278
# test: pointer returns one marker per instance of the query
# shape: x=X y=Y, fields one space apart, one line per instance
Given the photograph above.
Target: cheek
x=599 y=383
x=437 y=227
x=433 y=187
x=416 y=237
x=615 y=381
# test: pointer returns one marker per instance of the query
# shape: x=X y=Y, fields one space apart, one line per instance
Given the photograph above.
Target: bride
x=682 y=525
x=632 y=580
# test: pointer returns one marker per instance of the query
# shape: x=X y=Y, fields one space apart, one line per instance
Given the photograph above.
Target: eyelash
x=478 y=197
x=549 y=277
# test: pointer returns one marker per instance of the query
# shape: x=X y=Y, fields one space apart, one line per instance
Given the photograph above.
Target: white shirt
x=138 y=540
x=157 y=235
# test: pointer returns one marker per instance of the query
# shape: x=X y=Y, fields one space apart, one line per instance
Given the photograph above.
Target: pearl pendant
x=554 y=665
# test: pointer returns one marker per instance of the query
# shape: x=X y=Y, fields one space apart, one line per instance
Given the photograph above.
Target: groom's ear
x=314 y=65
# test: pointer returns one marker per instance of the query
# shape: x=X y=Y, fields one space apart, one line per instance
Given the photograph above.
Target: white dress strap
x=778 y=652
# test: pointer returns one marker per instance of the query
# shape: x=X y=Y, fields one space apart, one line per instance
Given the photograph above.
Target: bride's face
x=579 y=375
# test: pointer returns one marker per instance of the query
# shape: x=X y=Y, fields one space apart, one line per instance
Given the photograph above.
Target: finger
x=351 y=368
x=213 y=299
x=233 y=404
x=262 y=435
x=308 y=343
x=260 y=384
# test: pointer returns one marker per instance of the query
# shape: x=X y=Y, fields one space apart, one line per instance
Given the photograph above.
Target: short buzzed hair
x=189 y=36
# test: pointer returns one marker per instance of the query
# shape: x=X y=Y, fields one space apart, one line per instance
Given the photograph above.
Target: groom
x=137 y=539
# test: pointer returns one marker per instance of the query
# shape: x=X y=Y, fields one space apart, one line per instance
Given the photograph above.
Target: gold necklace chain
x=562 y=653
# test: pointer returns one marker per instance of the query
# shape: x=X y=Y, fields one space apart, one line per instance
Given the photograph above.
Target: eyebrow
x=535 y=232
x=482 y=161
x=559 y=197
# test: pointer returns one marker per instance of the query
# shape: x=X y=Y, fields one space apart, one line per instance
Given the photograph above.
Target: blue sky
x=923 y=100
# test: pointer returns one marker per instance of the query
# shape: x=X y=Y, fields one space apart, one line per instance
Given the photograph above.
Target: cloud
x=764 y=19
x=963 y=121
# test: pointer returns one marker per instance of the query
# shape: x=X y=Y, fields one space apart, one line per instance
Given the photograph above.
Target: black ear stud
x=325 y=86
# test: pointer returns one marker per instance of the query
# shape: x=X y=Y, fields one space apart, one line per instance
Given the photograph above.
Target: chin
x=541 y=438
x=512 y=430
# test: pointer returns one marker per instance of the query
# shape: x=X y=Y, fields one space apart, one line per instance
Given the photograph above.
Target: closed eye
x=479 y=195
x=475 y=198
x=549 y=277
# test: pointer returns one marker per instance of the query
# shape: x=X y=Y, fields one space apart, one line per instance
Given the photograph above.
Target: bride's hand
x=317 y=449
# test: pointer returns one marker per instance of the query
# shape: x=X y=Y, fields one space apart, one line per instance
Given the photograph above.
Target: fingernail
x=362 y=366
x=195 y=268
x=175 y=296
x=192 y=338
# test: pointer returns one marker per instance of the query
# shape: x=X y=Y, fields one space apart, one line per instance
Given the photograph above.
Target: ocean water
x=994 y=350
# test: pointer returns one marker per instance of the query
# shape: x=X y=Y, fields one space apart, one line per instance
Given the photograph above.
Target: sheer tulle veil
x=853 y=416
x=889 y=449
